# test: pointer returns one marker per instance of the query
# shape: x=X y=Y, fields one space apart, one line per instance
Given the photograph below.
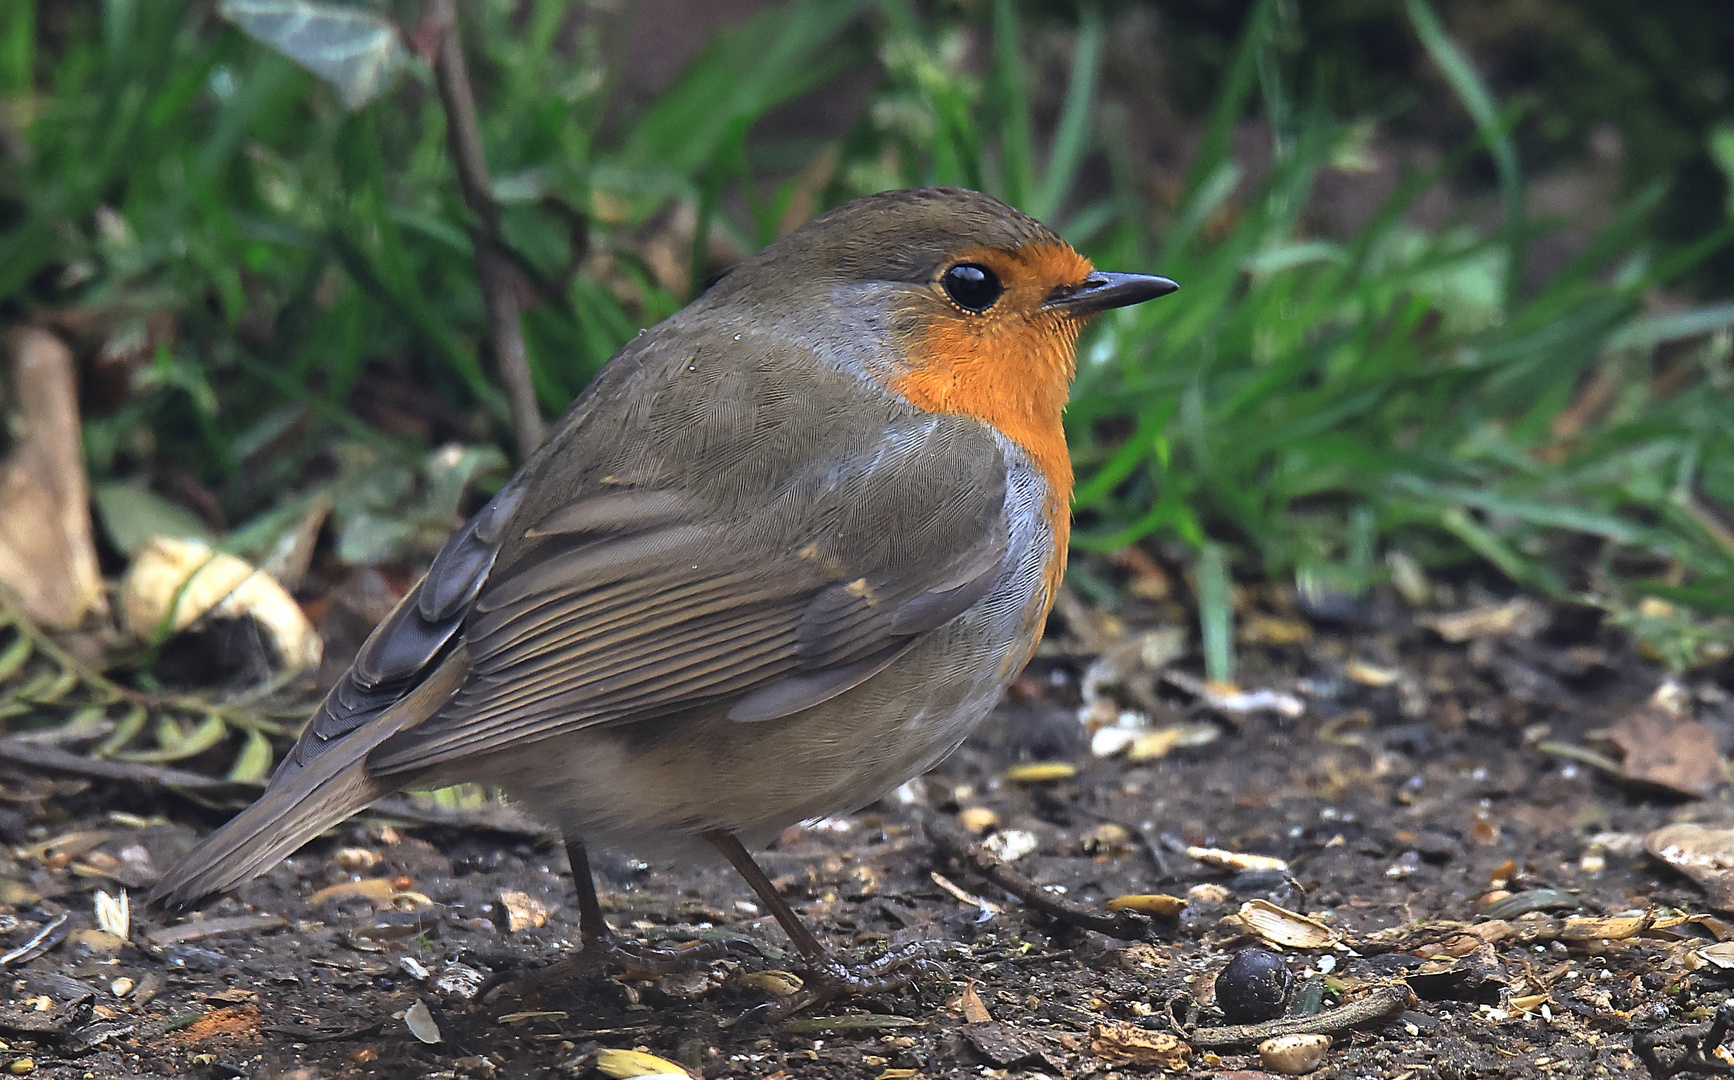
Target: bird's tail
x=301 y=804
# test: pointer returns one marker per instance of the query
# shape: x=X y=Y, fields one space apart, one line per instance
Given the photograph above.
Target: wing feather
x=634 y=607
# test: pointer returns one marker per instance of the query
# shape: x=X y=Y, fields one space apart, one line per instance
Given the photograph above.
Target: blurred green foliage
x=1308 y=406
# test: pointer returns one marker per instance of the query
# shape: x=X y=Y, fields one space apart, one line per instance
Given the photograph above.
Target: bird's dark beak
x=1103 y=290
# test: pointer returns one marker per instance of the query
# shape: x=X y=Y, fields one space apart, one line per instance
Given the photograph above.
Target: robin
x=783 y=554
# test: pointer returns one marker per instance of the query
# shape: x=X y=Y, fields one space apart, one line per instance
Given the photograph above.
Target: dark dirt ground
x=1421 y=771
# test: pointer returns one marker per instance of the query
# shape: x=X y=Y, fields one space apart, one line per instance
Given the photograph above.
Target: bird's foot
x=639 y=961
x=632 y=961
x=828 y=979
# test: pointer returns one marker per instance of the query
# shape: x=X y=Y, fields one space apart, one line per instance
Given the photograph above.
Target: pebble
x=121 y=987
x=355 y=859
x=1293 y=1055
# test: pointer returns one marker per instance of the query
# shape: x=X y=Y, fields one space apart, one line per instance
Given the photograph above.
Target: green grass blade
x=1017 y=154
x=1216 y=613
x=1072 y=136
x=1476 y=99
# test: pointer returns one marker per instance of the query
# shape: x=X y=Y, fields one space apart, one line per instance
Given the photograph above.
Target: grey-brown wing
x=407 y=645
x=635 y=604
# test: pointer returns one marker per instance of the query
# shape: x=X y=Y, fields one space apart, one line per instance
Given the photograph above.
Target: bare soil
x=1422 y=774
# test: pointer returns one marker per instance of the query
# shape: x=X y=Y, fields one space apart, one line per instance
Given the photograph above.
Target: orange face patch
x=1010 y=366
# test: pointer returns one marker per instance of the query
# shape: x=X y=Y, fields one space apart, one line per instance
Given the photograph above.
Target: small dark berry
x=1254 y=987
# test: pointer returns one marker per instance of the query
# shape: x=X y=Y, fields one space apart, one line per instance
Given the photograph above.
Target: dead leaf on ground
x=1665 y=747
x=1003 y=1045
x=175 y=583
x=1238 y=861
x=1521 y=617
x=1155 y=745
x=1149 y=903
x=1280 y=926
x=1041 y=772
x=1477 y=976
x=523 y=911
x=1702 y=853
x=622 y=1064
x=1139 y=1046
x=970 y=1005
x=46 y=553
x=377 y=890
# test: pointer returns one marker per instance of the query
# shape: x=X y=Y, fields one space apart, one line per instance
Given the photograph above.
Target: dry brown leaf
x=1236 y=860
x=1596 y=928
x=622 y=1064
x=773 y=981
x=1522 y=617
x=377 y=890
x=1150 y=903
x=1154 y=745
x=1370 y=674
x=1665 y=747
x=1280 y=926
x=1139 y=1046
x=1271 y=630
x=46 y=553
x=1719 y=955
x=175 y=583
x=969 y=1003
x=523 y=911
x=1702 y=853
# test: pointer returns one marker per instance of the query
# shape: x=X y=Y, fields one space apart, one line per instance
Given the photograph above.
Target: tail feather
x=302 y=803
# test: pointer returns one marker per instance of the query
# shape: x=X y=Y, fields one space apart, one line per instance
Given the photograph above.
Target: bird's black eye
x=972 y=286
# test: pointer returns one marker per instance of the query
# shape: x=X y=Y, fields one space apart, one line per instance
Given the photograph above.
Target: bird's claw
x=632 y=961
x=827 y=980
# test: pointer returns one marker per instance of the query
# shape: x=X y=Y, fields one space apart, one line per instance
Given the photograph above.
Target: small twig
x=1380 y=1002
x=1697 y=1044
x=46 y=938
x=237 y=712
x=953 y=842
x=53 y=759
x=303 y=1033
x=493 y=269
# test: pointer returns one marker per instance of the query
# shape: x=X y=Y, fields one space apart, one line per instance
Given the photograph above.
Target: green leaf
x=132 y=515
x=1476 y=99
x=253 y=763
x=1654 y=330
x=175 y=745
x=126 y=729
x=1216 y=613
x=1071 y=137
x=357 y=53
x=16 y=654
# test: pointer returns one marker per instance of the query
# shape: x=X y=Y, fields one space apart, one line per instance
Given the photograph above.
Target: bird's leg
x=603 y=949
x=825 y=977
x=635 y=959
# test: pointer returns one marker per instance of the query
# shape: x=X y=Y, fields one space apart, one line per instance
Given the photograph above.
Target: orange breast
x=1012 y=369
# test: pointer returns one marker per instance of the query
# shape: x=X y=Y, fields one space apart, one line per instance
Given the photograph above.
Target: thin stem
x=494 y=270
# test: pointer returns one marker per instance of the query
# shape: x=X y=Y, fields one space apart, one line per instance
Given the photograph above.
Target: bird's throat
x=1015 y=376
